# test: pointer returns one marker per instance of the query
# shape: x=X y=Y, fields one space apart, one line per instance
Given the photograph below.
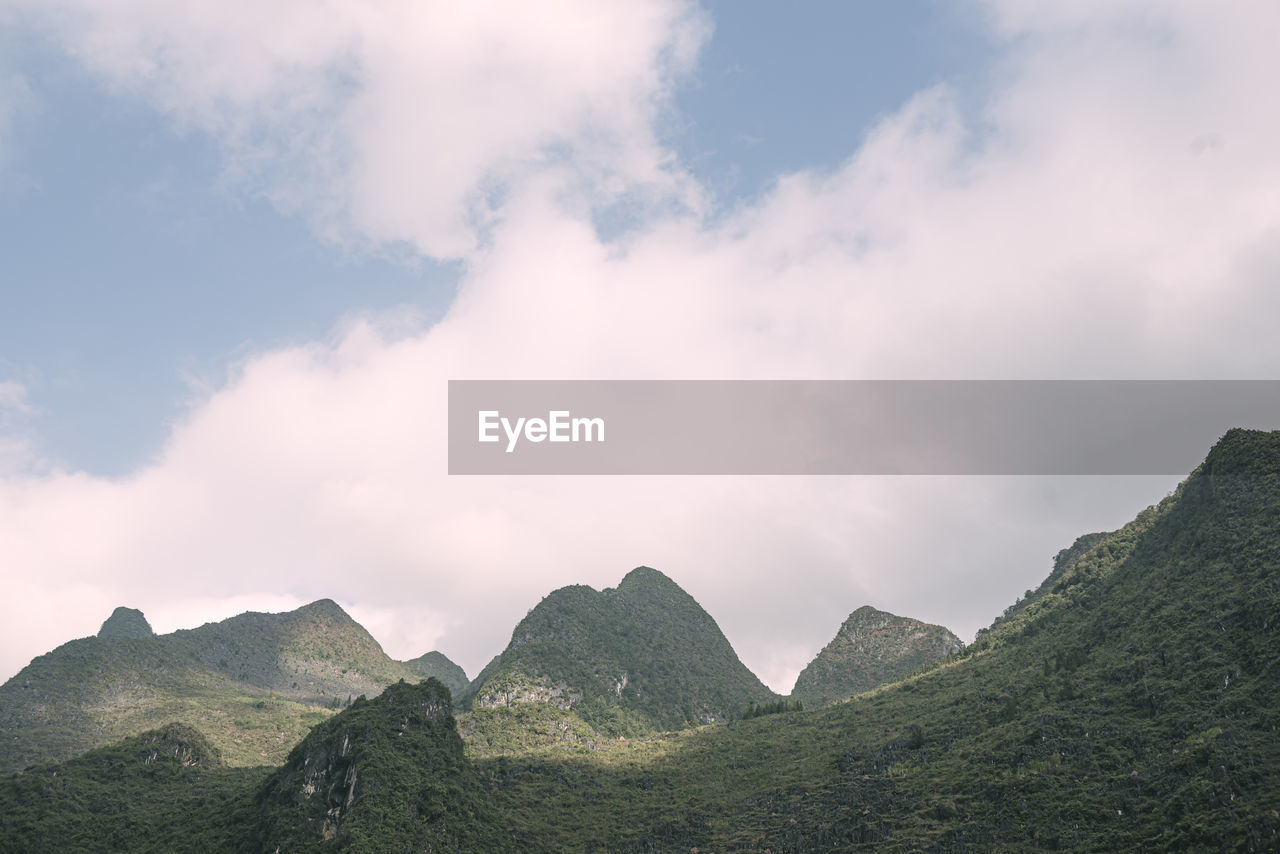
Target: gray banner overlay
x=753 y=427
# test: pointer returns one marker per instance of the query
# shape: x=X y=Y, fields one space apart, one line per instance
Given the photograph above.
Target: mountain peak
x=437 y=664
x=871 y=648
x=325 y=608
x=402 y=744
x=638 y=657
x=1248 y=452
x=126 y=623
x=644 y=576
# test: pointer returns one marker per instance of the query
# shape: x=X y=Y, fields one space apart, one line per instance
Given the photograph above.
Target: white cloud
x=384 y=121
x=1071 y=228
x=17 y=450
x=13 y=396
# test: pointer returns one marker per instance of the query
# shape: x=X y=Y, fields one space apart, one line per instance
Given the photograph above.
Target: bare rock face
x=872 y=647
x=126 y=623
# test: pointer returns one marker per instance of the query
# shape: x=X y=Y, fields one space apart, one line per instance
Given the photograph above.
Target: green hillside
x=160 y=791
x=254 y=684
x=388 y=774
x=871 y=648
x=643 y=656
x=1129 y=704
x=434 y=665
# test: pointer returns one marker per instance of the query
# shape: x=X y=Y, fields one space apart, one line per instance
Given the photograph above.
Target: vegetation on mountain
x=871 y=648
x=254 y=684
x=628 y=660
x=434 y=665
x=526 y=729
x=126 y=623
x=388 y=774
x=773 y=707
x=1131 y=705
x=1128 y=704
x=160 y=791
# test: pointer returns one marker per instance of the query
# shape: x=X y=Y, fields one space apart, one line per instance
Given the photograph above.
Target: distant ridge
x=126 y=623
x=253 y=683
x=436 y=665
x=871 y=648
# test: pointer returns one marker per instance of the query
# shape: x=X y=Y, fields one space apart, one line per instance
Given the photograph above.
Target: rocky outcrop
x=403 y=741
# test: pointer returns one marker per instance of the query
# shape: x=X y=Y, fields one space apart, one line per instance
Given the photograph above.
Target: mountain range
x=1129 y=703
x=254 y=683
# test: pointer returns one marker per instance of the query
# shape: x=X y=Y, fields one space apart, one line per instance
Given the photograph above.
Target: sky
x=245 y=246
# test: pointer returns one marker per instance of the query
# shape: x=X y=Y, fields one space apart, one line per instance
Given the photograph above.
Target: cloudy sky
x=245 y=245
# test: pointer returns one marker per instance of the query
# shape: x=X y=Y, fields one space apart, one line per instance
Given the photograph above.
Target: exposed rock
x=402 y=741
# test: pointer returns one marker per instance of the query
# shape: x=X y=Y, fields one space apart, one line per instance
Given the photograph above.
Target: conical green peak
x=644 y=576
x=126 y=623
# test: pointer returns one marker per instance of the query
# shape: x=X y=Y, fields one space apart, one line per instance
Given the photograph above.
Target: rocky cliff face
x=872 y=647
x=387 y=768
